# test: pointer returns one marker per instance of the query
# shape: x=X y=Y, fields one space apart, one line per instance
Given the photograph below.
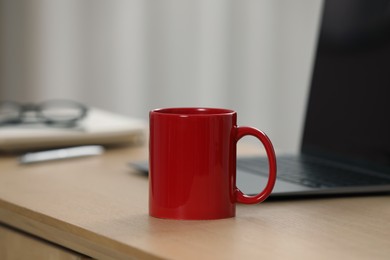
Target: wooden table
x=98 y=207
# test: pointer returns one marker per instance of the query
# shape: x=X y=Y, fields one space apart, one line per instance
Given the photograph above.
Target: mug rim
x=193 y=111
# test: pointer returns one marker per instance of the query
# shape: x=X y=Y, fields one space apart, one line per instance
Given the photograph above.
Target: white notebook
x=98 y=127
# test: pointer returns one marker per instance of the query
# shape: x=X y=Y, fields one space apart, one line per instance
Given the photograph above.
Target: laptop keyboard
x=312 y=172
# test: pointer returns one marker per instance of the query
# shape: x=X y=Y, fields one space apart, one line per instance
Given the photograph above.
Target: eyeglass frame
x=38 y=108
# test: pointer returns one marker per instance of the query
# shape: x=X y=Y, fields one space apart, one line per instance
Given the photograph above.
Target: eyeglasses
x=63 y=113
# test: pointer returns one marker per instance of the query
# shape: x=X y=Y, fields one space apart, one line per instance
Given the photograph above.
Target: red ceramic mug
x=192 y=157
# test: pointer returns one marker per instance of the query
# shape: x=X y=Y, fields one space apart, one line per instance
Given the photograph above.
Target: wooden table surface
x=98 y=206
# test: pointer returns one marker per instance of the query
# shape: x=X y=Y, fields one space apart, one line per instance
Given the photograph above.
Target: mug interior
x=186 y=111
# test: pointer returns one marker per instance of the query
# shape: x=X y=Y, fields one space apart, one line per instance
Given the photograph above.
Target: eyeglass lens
x=9 y=112
x=61 y=111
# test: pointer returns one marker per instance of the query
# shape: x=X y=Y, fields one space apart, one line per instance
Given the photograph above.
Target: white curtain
x=129 y=56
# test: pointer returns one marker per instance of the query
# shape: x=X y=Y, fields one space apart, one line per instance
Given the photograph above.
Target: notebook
x=99 y=127
x=345 y=146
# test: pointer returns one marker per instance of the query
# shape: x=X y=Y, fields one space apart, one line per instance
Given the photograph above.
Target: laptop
x=345 y=146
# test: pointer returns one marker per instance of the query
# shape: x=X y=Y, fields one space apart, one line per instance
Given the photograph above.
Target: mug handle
x=247 y=199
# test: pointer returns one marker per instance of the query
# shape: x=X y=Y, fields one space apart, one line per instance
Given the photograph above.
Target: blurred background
x=130 y=56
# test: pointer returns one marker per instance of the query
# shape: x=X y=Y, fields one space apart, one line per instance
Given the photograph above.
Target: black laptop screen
x=348 y=112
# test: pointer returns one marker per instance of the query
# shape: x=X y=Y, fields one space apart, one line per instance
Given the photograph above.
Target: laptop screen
x=348 y=114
